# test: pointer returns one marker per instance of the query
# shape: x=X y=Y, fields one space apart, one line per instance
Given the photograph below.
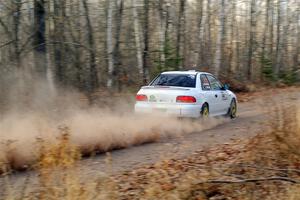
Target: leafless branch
x=253 y=180
x=5 y=27
x=6 y=43
x=271 y=169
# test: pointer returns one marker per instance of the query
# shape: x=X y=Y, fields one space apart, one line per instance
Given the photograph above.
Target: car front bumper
x=177 y=110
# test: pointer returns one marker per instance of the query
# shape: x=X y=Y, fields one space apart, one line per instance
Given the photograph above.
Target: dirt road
x=253 y=117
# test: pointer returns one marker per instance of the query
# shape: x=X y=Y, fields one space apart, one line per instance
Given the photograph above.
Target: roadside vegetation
x=263 y=167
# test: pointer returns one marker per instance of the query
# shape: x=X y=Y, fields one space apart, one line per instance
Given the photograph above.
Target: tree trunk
x=93 y=76
x=16 y=31
x=285 y=35
x=162 y=34
x=265 y=56
x=265 y=30
x=138 y=45
x=296 y=59
x=180 y=24
x=233 y=41
x=208 y=35
x=58 y=40
x=109 y=44
x=39 y=41
x=251 y=38
x=278 y=40
x=76 y=36
x=237 y=48
x=146 y=43
x=200 y=34
x=116 y=50
x=220 y=40
x=271 y=31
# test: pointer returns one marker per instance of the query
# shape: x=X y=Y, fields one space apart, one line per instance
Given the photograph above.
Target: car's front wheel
x=232 y=109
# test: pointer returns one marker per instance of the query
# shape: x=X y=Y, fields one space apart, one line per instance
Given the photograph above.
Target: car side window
x=205 y=83
x=214 y=83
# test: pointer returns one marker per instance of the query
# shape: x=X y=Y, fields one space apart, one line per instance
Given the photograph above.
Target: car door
x=221 y=96
x=209 y=94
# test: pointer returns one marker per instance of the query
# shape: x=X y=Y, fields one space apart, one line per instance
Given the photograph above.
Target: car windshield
x=178 y=80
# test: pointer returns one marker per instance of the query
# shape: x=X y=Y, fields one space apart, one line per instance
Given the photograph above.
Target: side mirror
x=226 y=86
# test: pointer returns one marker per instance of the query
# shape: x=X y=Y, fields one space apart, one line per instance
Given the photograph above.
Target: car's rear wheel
x=232 y=109
x=204 y=110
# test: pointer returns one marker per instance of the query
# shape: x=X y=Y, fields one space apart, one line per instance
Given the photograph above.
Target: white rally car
x=186 y=94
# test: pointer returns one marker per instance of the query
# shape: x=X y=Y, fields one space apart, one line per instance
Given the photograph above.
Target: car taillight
x=141 y=97
x=186 y=99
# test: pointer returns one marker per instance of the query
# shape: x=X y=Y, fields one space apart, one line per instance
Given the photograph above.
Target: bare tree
x=200 y=33
x=116 y=51
x=220 y=39
x=39 y=42
x=146 y=43
x=297 y=48
x=232 y=60
x=109 y=41
x=58 y=39
x=251 y=38
x=180 y=26
x=271 y=31
x=66 y=38
x=93 y=76
x=77 y=37
x=208 y=34
x=16 y=30
x=266 y=27
x=163 y=16
x=278 y=40
x=285 y=34
x=137 y=38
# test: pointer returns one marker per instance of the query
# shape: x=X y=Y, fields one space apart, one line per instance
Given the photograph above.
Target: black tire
x=232 y=109
x=205 y=111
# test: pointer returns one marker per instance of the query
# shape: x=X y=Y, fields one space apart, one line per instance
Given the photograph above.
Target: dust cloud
x=92 y=129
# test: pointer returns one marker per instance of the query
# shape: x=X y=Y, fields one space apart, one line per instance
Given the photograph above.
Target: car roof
x=192 y=72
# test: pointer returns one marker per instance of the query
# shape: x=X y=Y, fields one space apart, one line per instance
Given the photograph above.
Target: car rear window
x=178 y=80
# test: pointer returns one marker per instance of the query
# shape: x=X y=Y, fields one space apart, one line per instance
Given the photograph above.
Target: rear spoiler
x=164 y=87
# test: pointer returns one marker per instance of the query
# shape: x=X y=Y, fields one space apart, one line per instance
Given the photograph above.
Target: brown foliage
x=263 y=167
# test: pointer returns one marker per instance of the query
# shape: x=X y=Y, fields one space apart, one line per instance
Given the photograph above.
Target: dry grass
x=265 y=167
x=209 y=174
x=91 y=131
x=57 y=176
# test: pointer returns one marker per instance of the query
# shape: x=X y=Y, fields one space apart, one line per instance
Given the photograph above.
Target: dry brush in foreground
x=264 y=167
